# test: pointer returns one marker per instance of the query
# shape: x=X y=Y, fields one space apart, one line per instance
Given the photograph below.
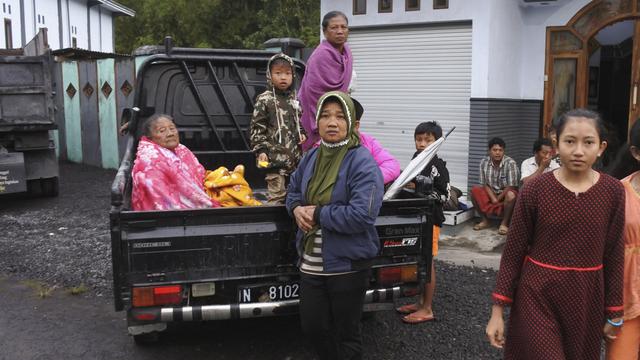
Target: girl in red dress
x=562 y=267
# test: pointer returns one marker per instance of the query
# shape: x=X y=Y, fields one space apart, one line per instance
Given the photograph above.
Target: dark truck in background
x=228 y=263
x=28 y=161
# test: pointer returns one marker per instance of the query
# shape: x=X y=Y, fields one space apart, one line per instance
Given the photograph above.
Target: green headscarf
x=329 y=159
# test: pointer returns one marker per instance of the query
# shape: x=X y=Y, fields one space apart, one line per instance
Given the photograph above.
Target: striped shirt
x=501 y=176
x=313 y=263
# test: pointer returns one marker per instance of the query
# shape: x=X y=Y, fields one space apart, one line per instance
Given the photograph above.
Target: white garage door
x=413 y=74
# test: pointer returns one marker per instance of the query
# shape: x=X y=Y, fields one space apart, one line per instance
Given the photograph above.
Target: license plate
x=268 y=292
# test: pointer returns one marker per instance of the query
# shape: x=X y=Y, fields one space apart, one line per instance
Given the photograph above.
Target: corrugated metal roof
x=114 y=7
x=84 y=54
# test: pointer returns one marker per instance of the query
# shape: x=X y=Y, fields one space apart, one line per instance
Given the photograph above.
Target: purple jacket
x=389 y=166
x=327 y=70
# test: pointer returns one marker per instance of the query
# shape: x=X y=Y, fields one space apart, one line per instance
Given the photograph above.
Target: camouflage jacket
x=277 y=138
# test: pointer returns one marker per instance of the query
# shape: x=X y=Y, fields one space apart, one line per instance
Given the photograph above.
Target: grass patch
x=41 y=289
x=77 y=290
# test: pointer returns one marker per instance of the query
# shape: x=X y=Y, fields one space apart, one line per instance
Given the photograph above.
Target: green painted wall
x=139 y=60
x=56 y=141
x=107 y=114
x=73 y=127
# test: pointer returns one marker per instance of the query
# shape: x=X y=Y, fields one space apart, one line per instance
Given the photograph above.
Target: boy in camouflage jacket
x=276 y=133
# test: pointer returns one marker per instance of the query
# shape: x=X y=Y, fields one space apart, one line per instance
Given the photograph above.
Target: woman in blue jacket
x=334 y=196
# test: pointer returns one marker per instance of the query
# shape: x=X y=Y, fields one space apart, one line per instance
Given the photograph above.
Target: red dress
x=562 y=269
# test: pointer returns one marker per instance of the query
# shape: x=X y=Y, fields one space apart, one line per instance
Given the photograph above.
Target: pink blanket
x=327 y=70
x=389 y=166
x=167 y=180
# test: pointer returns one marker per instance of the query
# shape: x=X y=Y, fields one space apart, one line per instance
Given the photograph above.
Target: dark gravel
x=62 y=241
x=65 y=242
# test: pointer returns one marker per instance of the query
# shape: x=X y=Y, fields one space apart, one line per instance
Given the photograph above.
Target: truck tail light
x=392 y=275
x=142 y=296
x=156 y=295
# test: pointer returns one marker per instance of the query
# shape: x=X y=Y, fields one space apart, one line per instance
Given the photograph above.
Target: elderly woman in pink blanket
x=166 y=175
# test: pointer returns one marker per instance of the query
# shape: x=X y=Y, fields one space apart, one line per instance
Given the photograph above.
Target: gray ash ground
x=65 y=242
x=62 y=241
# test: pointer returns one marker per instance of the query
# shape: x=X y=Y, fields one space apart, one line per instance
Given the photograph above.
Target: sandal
x=407 y=309
x=417 y=319
x=503 y=230
x=481 y=225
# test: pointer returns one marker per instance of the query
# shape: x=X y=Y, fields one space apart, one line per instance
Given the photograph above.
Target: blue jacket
x=349 y=236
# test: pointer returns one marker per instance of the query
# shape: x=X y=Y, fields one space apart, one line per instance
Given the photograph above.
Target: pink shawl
x=389 y=166
x=167 y=180
x=327 y=70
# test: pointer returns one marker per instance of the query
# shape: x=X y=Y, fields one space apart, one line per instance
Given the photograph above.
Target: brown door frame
x=584 y=25
x=634 y=94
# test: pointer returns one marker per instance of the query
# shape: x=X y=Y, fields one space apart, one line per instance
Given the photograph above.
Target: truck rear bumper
x=242 y=311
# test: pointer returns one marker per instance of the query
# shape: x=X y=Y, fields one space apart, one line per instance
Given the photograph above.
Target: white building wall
x=29 y=22
x=48 y=12
x=459 y=10
x=10 y=9
x=508 y=50
x=505 y=27
x=70 y=18
x=78 y=20
x=66 y=40
x=94 y=25
x=106 y=31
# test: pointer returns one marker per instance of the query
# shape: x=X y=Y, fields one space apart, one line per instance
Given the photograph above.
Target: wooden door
x=566 y=74
x=567 y=57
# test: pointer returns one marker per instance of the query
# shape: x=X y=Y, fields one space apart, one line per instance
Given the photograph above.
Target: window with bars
x=440 y=4
x=359 y=7
x=412 y=5
x=385 y=6
x=8 y=36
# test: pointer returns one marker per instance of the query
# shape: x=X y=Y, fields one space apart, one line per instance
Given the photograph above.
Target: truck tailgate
x=205 y=244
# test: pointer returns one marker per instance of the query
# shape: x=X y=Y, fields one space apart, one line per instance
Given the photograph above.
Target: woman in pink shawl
x=166 y=175
x=329 y=68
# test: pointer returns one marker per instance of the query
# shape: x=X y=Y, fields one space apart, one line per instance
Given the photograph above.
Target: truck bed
x=243 y=257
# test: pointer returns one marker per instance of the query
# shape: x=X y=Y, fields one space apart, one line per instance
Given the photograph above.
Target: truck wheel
x=147 y=339
x=49 y=186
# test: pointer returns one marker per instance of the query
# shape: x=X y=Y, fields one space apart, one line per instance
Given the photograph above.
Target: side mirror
x=128 y=115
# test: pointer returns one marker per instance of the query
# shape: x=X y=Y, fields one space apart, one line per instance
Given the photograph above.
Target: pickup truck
x=228 y=263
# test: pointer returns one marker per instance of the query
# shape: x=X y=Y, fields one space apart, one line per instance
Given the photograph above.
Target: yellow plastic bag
x=229 y=188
